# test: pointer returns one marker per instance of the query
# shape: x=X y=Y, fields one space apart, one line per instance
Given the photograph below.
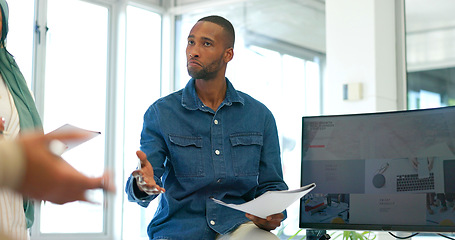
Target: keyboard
x=411 y=182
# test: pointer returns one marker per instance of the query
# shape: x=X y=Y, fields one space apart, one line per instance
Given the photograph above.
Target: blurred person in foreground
x=19 y=163
x=19 y=114
x=28 y=167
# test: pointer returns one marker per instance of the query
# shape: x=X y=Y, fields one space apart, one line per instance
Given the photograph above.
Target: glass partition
x=142 y=88
x=430 y=53
x=20 y=36
x=75 y=93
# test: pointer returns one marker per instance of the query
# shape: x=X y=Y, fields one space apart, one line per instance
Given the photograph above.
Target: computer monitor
x=391 y=171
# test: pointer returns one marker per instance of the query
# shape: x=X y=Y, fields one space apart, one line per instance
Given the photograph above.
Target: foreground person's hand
x=49 y=177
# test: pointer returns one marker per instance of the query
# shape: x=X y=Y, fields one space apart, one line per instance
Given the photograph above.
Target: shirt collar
x=191 y=101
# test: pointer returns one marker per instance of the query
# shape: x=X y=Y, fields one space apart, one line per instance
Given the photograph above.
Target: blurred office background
x=98 y=64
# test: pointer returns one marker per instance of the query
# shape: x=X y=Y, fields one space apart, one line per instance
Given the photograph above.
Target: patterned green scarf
x=25 y=105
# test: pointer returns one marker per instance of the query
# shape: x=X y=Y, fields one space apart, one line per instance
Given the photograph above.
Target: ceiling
x=302 y=22
x=297 y=22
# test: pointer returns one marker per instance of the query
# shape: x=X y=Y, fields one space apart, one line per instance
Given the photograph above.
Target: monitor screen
x=391 y=171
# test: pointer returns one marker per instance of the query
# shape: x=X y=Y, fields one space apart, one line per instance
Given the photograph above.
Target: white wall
x=360 y=49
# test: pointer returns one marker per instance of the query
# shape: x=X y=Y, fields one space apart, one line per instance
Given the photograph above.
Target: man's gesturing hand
x=144 y=176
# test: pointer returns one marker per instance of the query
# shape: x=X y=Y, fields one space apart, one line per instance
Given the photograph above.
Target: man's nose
x=193 y=55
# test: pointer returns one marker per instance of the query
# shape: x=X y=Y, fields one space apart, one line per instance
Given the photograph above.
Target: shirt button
x=212 y=222
x=217 y=152
x=216 y=122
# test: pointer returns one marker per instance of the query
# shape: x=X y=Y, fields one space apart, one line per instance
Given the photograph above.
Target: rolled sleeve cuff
x=136 y=195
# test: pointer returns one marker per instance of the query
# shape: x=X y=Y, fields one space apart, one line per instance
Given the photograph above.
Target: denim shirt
x=231 y=154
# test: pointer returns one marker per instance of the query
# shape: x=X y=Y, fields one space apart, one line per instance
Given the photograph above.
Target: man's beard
x=206 y=72
x=201 y=74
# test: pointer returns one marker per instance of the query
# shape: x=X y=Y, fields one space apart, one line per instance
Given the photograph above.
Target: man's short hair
x=225 y=24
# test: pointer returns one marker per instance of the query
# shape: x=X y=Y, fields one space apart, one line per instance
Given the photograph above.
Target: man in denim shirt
x=206 y=141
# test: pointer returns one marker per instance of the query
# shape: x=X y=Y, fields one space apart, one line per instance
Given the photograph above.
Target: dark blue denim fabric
x=231 y=154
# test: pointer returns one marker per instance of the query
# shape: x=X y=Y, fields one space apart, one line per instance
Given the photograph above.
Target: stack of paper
x=271 y=202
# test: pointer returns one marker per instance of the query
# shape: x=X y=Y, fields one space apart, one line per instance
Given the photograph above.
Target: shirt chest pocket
x=246 y=153
x=186 y=156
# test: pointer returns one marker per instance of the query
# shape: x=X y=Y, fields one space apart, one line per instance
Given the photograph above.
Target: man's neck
x=211 y=92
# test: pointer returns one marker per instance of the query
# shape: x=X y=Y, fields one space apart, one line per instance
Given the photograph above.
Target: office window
x=430 y=67
x=75 y=93
x=430 y=33
x=142 y=88
x=290 y=88
x=98 y=67
x=20 y=36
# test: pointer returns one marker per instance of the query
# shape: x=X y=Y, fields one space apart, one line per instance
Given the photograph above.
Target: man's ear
x=228 y=54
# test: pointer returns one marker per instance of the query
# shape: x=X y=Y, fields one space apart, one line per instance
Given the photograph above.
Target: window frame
x=115 y=82
x=38 y=87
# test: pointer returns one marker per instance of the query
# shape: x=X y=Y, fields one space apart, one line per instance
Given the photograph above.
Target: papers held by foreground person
x=59 y=147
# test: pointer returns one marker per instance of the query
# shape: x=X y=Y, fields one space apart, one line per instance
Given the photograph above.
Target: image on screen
x=380 y=171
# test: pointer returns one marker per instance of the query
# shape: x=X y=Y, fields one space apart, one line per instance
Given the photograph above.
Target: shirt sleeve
x=270 y=168
x=151 y=143
x=12 y=164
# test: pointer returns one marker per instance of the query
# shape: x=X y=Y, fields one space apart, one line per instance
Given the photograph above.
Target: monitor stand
x=317 y=235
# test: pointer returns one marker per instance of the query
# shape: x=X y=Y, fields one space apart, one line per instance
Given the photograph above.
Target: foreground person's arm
x=29 y=167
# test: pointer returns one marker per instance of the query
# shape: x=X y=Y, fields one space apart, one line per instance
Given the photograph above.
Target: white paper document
x=271 y=202
x=59 y=147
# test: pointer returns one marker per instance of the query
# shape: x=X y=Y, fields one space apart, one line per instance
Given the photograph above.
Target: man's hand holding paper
x=269 y=204
x=269 y=223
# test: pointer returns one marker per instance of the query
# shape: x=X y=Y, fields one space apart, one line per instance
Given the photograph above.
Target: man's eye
x=207 y=44
x=190 y=42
